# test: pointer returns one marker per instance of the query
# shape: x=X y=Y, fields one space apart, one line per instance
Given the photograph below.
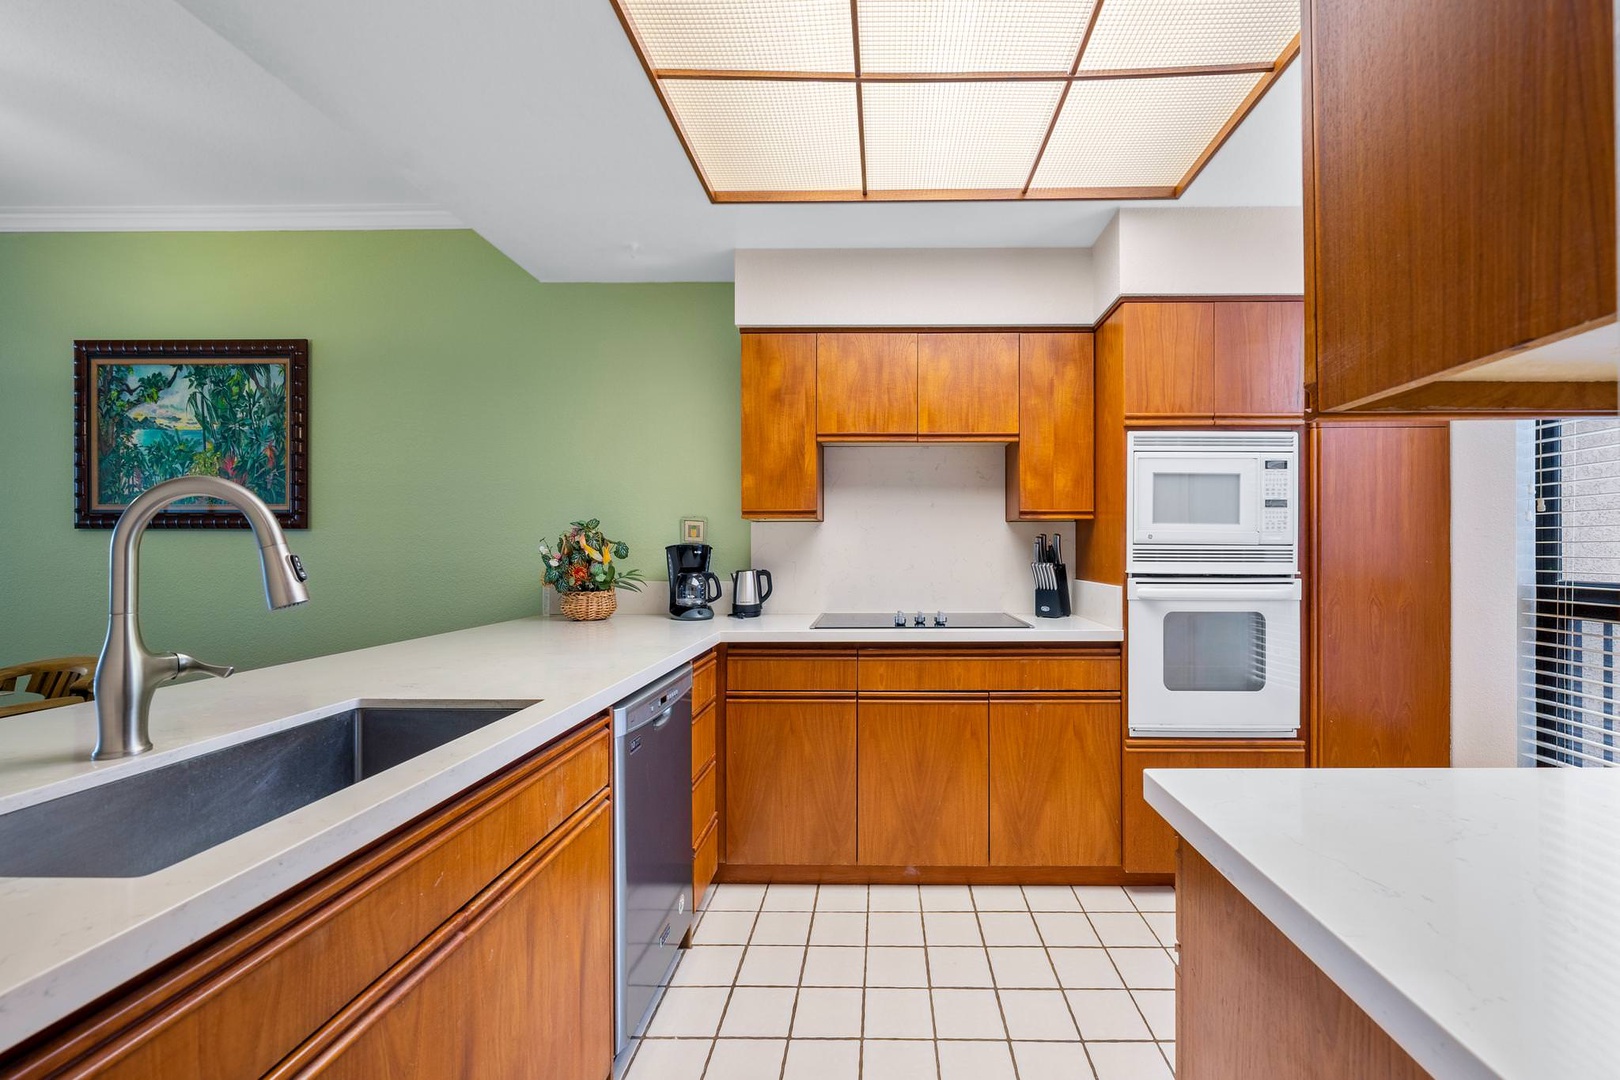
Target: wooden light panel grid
x=905 y=100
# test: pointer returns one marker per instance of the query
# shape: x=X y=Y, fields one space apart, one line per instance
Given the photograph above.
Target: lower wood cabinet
x=1150 y=843
x=1054 y=782
x=924 y=764
x=790 y=791
x=451 y=919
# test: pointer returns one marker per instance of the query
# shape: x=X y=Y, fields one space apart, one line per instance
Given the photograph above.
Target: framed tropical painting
x=148 y=411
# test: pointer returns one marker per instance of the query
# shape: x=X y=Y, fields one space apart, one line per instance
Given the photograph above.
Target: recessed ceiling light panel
x=971 y=35
x=955 y=136
x=744 y=35
x=1137 y=132
x=1133 y=35
x=770 y=136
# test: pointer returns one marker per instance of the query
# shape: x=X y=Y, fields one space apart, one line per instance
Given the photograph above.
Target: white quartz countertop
x=66 y=941
x=1474 y=914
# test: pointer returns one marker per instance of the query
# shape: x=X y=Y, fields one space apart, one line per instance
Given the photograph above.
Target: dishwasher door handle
x=663 y=718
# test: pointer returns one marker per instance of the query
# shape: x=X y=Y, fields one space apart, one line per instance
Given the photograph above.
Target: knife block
x=1054 y=603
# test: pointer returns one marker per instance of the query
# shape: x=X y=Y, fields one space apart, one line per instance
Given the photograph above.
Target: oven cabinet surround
x=1463 y=153
x=705 y=772
x=893 y=763
x=400 y=961
x=1031 y=391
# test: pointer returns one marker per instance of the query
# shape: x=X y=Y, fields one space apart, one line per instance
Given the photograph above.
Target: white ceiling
x=139 y=111
x=529 y=120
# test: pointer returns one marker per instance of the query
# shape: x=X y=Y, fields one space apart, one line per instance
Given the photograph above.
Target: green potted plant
x=585 y=568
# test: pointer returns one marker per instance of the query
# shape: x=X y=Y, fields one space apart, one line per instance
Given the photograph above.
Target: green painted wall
x=460 y=410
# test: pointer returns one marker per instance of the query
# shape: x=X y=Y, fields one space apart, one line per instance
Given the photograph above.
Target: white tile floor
x=946 y=982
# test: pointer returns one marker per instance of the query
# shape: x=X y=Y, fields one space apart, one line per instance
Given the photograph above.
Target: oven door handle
x=1289 y=591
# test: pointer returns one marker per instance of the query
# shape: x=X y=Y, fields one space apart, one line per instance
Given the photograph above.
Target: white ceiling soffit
x=534 y=123
x=131 y=114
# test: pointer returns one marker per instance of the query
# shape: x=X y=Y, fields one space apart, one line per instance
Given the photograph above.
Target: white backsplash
x=907 y=526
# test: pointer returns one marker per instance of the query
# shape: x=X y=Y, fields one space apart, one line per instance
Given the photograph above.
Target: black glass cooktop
x=929 y=620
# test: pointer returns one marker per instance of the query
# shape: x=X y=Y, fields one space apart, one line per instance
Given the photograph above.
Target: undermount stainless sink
x=149 y=820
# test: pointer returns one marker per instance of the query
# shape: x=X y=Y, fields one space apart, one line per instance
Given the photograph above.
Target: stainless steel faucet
x=128 y=673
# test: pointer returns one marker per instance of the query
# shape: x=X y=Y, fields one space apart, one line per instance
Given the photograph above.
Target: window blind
x=1569 y=613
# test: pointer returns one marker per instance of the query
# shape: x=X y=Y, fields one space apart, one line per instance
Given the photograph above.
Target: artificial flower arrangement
x=584 y=567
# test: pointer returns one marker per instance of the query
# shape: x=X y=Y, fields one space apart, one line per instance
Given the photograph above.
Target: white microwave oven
x=1213 y=502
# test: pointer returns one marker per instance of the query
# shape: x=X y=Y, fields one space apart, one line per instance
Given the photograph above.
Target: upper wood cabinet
x=1380 y=586
x=1209 y=361
x=1051 y=474
x=1460 y=194
x=781 y=460
x=967 y=386
x=866 y=384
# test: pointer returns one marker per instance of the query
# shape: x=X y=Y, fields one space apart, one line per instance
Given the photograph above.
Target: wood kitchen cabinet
x=1380 y=588
x=924 y=795
x=1205 y=362
x=451 y=920
x=705 y=773
x=1150 y=843
x=781 y=459
x=1054 y=782
x=1050 y=469
x=866 y=385
x=790 y=780
x=968 y=387
x=1459 y=197
x=1169 y=360
x=1259 y=360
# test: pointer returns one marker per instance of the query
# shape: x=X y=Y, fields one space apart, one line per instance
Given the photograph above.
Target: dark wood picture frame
x=90 y=513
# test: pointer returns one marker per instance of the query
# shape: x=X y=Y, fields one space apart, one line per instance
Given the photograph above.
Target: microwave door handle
x=1217 y=592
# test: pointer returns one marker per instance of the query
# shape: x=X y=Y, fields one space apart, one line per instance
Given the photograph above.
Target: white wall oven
x=1213 y=502
x=1214 y=659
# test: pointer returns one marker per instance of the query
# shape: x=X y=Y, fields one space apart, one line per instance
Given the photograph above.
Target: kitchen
x=1175 y=447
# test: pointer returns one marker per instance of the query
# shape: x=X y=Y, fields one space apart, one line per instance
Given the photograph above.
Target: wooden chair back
x=63 y=677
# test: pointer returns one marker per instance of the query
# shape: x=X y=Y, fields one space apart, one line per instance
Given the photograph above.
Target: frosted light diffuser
x=770 y=136
x=971 y=35
x=851 y=100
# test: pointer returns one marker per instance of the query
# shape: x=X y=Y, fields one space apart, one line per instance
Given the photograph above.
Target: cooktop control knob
x=939 y=618
x=899 y=618
x=919 y=620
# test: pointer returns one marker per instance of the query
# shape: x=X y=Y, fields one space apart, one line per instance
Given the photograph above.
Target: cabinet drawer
x=702 y=741
x=705 y=857
x=978 y=671
x=244 y=1002
x=704 y=671
x=789 y=671
x=703 y=803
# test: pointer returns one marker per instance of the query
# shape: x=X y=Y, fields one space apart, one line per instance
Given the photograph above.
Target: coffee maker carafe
x=691 y=587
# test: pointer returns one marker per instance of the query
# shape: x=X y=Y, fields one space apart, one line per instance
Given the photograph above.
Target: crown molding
x=338 y=216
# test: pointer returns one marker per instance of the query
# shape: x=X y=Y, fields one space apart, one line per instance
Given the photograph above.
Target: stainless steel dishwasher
x=652 y=830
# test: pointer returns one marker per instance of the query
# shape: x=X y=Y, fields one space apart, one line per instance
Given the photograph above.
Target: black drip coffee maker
x=691 y=587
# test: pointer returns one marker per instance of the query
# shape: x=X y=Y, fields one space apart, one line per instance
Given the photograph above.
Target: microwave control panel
x=1276 y=494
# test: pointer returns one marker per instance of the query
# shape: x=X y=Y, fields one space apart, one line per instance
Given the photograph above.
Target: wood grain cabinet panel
x=944 y=670
x=924 y=782
x=705 y=860
x=1050 y=469
x=1381 y=591
x=705 y=670
x=1054 y=783
x=781 y=460
x=501 y=992
x=1259 y=359
x=1460 y=196
x=790 y=671
x=703 y=743
x=1150 y=843
x=967 y=386
x=1169 y=360
x=866 y=385
x=790 y=781
x=703 y=804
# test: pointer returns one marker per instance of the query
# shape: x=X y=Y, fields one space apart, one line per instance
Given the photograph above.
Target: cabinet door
x=1260 y=359
x=781 y=460
x=866 y=385
x=1381 y=585
x=967 y=385
x=924 y=780
x=1150 y=843
x=1050 y=471
x=1054 y=783
x=524 y=976
x=790 y=781
x=1169 y=360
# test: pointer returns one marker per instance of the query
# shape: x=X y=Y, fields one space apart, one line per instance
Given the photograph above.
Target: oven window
x=1197 y=498
x=1215 y=651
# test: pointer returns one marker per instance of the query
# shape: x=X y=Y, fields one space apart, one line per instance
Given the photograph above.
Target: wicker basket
x=588 y=606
